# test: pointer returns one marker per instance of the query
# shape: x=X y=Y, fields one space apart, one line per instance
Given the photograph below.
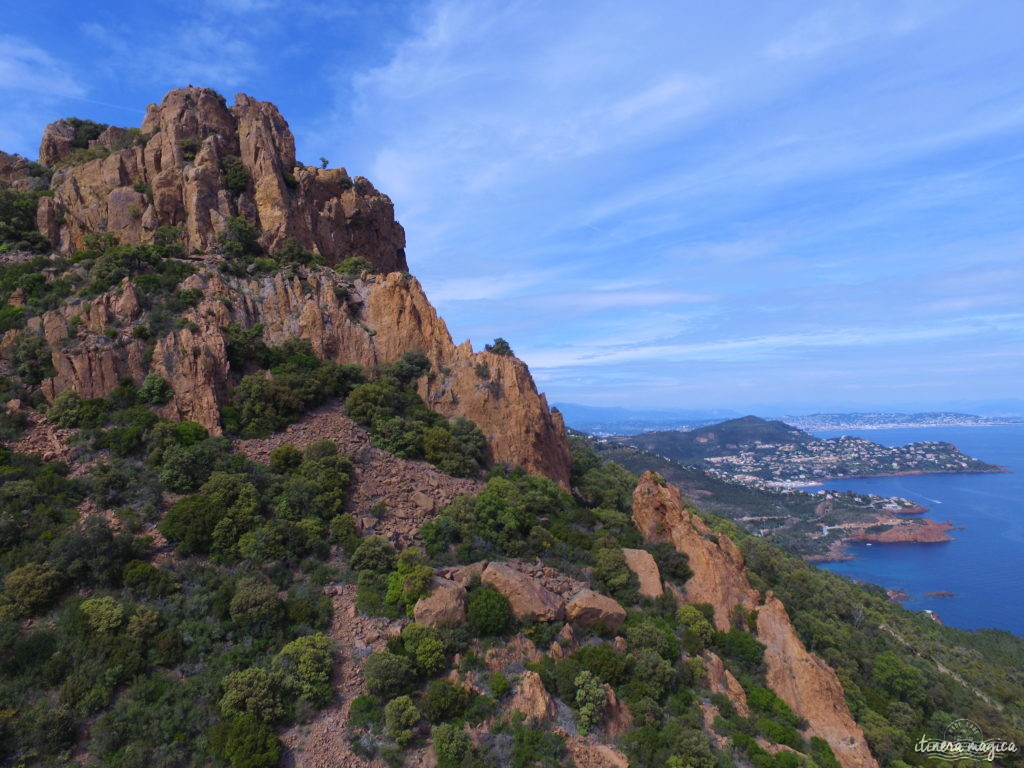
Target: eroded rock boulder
x=589 y=608
x=532 y=699
x=525 y=595
x=641 y=562
x=445 y=606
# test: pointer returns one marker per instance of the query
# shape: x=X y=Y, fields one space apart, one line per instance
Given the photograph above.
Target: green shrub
x=410 y=580
x=488 y=612
x=236 y=177
x=444 y=700
x=353 y=267
x=649 y=635
x=155 y=390
x=285 y=459
x=698 y=632
x=603 y=661
x=424 y=648
x=103 y=614
x=388 y=675
x=291 y=251
x=452 y=745
x=499 y=347
x=590 y=702
x=344 y=533
x=254 y=692
x=306 y=665
x=740 y=646
x=30 y=358
x=365 y=712
x=245 y=742
x=32 y=586
x=400 y=716
x=255 y=602
x=500 y=685
x=612 y=576
x=374 y=554
x=239 y=240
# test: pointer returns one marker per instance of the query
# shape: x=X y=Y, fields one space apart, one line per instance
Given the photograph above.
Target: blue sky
x=795 y=205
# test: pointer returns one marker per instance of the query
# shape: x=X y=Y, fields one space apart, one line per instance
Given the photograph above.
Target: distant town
x=841 y=457
x=823 y=421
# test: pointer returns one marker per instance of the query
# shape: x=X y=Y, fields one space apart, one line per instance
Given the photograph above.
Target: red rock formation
x=532 y=699
x=589 y=608
x=721 y=680
x=526 y=596
x=378 y=320
x=717 y=564
x=157 y=182
x=642 y=563
x=919 y=531
x=445 y=606
x=805 y=682
x=809 y=686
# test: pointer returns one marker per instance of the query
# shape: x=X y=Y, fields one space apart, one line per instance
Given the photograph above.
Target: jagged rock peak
x=171 y=171
x=805 y=682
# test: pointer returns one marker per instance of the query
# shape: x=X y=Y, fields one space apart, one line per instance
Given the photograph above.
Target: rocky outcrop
x=618 y=718
x=721 y=680
x=919 y=531
x=809 y=686
x=641 y=562
x=445 y=606
x=174 y=175
x=525 y=596
x=18 y=173
x=590 y=608
x=805 y=682
x=366 y=322
x=532 y=699
x=586 y=753
x=717 y=563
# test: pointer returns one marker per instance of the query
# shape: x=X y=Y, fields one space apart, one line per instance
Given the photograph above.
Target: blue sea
x=984 y=565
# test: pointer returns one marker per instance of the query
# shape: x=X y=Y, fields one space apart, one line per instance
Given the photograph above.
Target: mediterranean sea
x=984 y=565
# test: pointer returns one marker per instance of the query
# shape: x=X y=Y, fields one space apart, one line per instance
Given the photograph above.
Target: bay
x=984 y=565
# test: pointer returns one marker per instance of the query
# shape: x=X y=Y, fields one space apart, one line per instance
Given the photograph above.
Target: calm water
x=984 y=566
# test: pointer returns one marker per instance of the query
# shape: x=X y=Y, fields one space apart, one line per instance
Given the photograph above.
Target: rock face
x=366 y=322
x=805 y=682
x=641 y=562
x=919 y=531
x=716 y=562
x=721 y=680
x=173 y=175
x=526 y=596
x=445 y=606
x=18 y=173
x=809 y=686
x=532 y=699
x=589 y=608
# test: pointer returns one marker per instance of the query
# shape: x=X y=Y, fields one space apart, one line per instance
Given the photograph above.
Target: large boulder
x=532 y=699
x=589 y=608
x=526 y=596
x=641 y=562
x=445 y=606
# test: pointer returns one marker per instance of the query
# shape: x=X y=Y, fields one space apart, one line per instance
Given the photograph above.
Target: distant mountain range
x=888 y=420
x=606 y=421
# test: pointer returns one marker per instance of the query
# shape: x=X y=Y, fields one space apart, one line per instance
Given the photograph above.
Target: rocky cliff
x=806 y=683
x=173 y=173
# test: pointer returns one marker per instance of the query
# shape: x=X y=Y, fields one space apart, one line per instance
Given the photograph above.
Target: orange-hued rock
x=157 y=182
x=721 y=680
x=589 y=608
x=809 y=686
x=641 y=562
x=588 y=753
x=367 y=322
x=805 y=682
x=525 y=595
x=717 y=563
x=918 y=531
x=445 y=606
x=532 y=699
x=618 y=718
x=17 y=173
